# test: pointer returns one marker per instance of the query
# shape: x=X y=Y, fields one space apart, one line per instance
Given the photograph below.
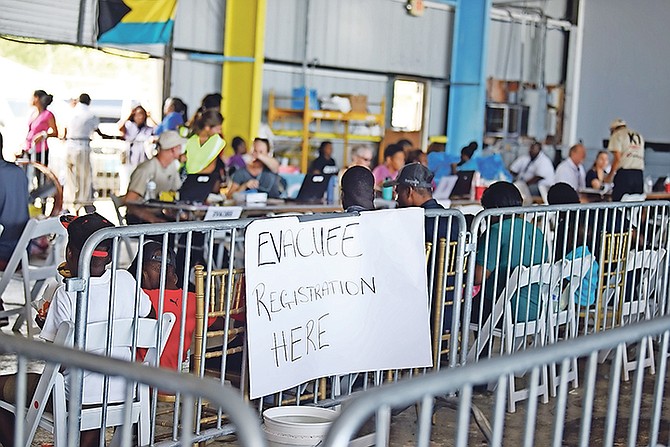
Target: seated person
x=595 y=177
x=236 y=161
x=570 y=170
x=576 y=246
x=172 y=300
x=534 y=169
x=414 y=187
x=259 y=173
x=63 y=309
x=358 y=189
x=324 y=163
x=204 y=149
x=417 y=156
x=394 y=160
x=162 y=170
x=499 y=249
x=466 y=154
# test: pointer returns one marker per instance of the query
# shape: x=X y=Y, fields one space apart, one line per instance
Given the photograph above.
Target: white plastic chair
x=515 y=334
x=638 y=307
x=20 y=267
x=52 y=382
x=574 y=272
x=118 y=204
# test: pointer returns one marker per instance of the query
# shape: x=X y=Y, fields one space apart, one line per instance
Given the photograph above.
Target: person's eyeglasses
x=158 y=258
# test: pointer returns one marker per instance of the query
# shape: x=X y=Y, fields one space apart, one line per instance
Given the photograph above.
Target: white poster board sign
x=335 y=295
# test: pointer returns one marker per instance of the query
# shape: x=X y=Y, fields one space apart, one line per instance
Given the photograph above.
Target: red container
x=479 y=191
x=667 y=187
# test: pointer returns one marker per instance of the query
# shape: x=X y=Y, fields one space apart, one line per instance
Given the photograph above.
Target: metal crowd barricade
x=634 y=421
x=228 y=400
x=445 y=257
x=539 y=274
x=211 y=256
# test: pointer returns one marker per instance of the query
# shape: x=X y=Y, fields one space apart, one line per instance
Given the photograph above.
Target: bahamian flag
x=135 y=21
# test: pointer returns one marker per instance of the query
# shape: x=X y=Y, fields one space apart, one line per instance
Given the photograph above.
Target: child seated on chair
x=501 y=246
x=152 y=259
x=63 y=308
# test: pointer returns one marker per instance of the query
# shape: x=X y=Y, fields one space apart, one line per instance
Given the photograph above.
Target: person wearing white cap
x=162 y=170
x=627 y=147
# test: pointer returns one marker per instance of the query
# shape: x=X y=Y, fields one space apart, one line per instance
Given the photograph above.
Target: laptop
x=197 y=187
x=463 y=185
x=444 y=187
x=313 y=188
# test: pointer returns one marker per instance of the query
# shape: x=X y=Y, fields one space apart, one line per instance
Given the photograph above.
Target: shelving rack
x=307 y=117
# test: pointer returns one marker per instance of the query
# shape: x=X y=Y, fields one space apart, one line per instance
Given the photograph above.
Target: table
x=192 y=211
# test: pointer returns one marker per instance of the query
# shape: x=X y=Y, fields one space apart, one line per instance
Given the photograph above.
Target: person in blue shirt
x=175 y=115
x=505 y=245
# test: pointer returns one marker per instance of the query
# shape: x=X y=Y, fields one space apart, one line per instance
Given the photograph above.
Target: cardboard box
x=359 y=103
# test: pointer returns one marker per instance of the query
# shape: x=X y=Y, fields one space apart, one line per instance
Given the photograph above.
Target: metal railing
x=452 y=259
x=227 y=399
x=642 y=423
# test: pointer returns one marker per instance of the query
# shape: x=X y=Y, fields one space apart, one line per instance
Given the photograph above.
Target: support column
x=242 y=85
x=467 y=92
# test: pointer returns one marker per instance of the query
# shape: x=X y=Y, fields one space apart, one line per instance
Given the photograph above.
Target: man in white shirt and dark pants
x=570 y=170
x=78 y=188
x=534 y=169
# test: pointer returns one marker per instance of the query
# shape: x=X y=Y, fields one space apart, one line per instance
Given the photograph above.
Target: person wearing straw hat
x=627 y=147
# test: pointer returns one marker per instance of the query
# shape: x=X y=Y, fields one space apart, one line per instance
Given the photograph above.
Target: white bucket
x=291 y=425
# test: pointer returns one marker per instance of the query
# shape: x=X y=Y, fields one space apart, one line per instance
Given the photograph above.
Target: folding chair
x=514 y=334
x=118 y=204
x=611 y=281
x=52 y=382
x=445 y=269
x=638 y=306
x=571 y=273
x=20 y=266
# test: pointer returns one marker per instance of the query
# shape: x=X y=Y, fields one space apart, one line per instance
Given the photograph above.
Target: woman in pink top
x=42 y=126
x=394 y=160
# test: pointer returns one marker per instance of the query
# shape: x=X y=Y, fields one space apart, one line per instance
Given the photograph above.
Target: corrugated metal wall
x=47 y=19
x=198 y=27
x=356 y=46
x=347 y=37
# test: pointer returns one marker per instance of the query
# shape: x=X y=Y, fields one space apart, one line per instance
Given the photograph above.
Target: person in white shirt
x=534 y=169
x=63 y=308
x=78 y=187
x=570 y=170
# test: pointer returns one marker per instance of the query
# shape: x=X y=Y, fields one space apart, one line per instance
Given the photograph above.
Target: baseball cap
x=80 y=228
x=617 y=123
x=170 y=139
x=415 y=175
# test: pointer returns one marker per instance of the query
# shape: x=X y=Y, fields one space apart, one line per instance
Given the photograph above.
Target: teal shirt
x=585 y=295
x=503 y=238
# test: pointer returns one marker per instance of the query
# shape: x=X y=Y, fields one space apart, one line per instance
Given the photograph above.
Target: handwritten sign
x=223 y=212
x=334 y=296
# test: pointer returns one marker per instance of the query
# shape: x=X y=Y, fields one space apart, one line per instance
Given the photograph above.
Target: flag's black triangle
x=110 y=14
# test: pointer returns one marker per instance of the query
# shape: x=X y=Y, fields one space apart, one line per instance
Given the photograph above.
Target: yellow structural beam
x=242 y=85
